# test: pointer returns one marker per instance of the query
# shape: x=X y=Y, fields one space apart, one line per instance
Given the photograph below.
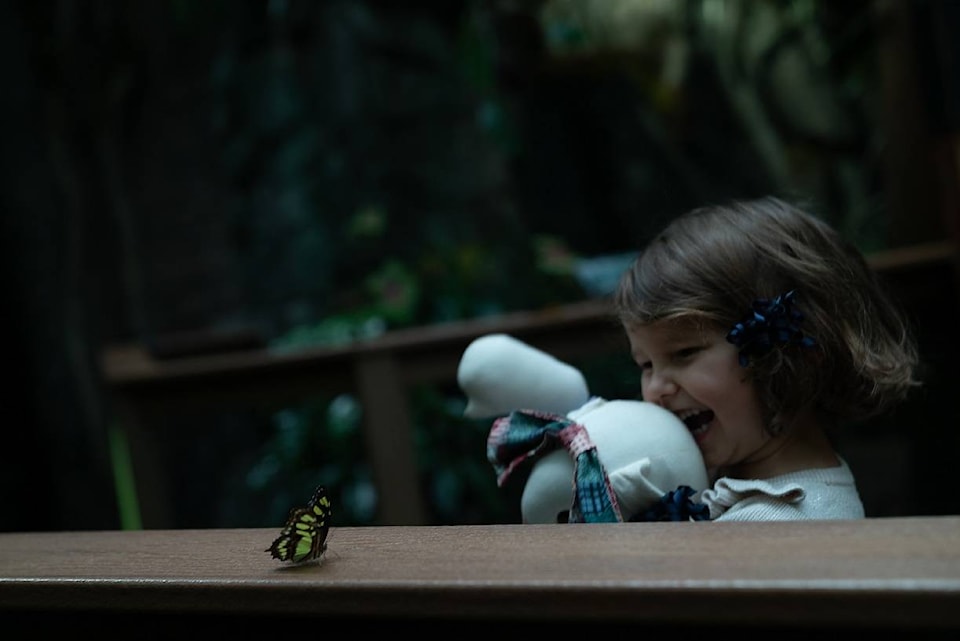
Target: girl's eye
x=687 y=352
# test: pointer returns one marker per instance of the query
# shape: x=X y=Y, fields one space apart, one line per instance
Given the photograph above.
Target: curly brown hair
x=713 y=262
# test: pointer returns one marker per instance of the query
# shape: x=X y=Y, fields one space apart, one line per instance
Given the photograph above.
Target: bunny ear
x=499 y=374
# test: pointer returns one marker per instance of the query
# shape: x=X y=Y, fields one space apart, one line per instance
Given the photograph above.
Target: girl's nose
x=659 y=387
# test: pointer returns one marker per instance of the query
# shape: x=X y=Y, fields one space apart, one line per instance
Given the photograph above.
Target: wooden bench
x=380 y=372
x=897 y=575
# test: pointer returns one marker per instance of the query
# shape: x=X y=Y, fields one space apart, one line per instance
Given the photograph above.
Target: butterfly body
x=304 y=536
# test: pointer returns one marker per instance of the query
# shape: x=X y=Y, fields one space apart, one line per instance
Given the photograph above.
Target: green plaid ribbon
x=525 y=435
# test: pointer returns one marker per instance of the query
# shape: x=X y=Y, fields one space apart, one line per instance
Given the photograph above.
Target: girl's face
x=693 y=371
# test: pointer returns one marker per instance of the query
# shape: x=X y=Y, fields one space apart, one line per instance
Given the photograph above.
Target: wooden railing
x=380 y=372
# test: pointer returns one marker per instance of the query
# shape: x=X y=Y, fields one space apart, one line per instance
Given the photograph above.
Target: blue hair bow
x=772 y=323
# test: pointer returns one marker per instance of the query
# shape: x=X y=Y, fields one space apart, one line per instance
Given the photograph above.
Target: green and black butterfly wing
x=304 y=537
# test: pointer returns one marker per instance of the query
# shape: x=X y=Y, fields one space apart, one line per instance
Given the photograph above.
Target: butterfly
x=304 y=537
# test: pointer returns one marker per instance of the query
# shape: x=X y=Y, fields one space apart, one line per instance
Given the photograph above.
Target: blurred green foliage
x=324 y=172
x=467 y=169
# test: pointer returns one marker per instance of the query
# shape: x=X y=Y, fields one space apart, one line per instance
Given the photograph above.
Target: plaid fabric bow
x=527 y=434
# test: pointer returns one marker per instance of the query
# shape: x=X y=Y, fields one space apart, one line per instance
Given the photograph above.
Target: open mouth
x=697 y=421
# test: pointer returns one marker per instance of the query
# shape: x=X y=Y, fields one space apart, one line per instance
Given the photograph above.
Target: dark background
x=310 y=172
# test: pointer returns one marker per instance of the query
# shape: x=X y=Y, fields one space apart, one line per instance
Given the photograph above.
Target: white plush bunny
x=592 y=459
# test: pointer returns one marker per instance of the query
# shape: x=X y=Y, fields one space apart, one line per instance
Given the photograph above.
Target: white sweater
x=823 y=493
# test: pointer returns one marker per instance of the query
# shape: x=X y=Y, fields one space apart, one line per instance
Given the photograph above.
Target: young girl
x=761 y=328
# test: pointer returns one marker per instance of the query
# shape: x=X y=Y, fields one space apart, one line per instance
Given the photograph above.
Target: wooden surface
x=890 y=573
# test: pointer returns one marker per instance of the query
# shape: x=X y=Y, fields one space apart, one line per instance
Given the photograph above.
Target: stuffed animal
x=589 y=459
